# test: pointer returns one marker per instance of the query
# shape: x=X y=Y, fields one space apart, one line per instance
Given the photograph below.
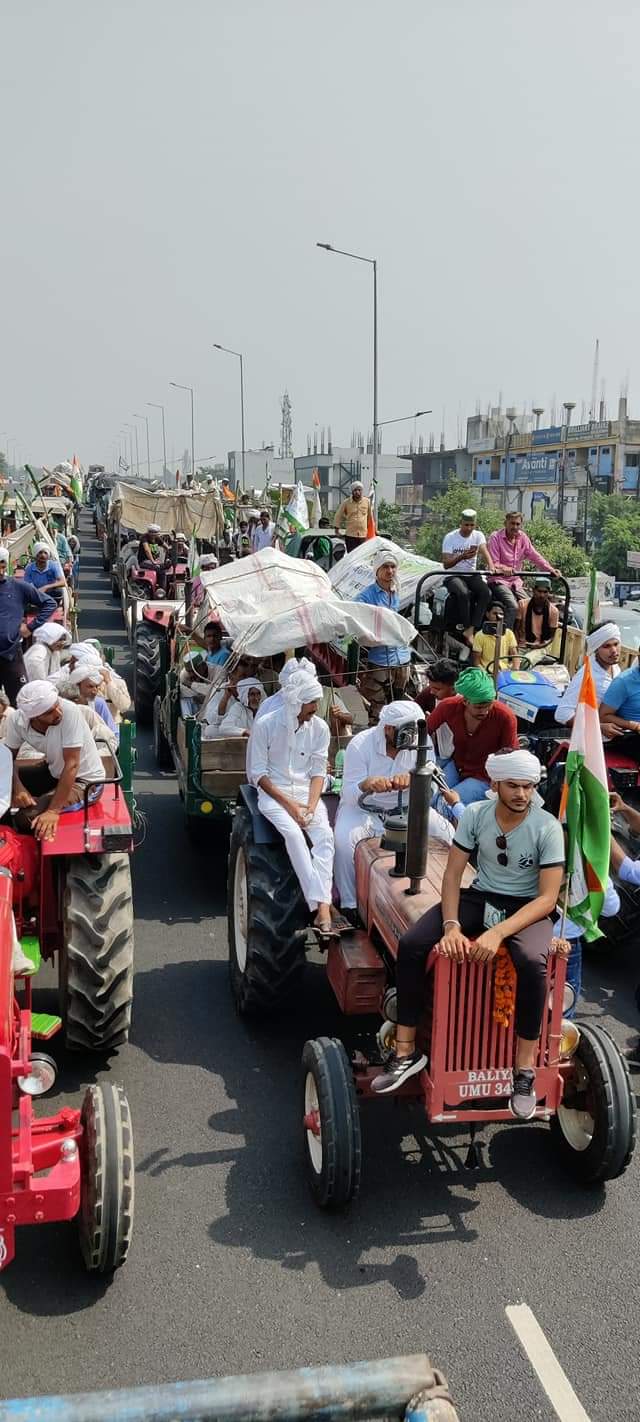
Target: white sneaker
x=21 y=965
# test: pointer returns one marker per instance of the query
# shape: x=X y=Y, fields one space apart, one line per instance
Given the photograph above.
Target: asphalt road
x=233 y=1268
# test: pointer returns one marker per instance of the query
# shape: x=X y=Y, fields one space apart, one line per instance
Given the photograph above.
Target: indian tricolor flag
x=584 y=808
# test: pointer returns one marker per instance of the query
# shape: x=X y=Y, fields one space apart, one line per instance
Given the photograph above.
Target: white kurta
x=236 y=720
x=40 y=662
x=602 y=678
x=291 y=762
x=366 y=756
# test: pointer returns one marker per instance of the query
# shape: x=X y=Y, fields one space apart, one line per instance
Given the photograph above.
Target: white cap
x=468 y=513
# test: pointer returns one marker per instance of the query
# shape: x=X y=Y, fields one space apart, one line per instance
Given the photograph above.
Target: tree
x=620 y=535
x=391 y=521
x=557 y=546
x=604 y=506
x=443 y=513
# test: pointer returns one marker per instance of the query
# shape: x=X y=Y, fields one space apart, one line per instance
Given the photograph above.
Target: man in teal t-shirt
x=520 y=858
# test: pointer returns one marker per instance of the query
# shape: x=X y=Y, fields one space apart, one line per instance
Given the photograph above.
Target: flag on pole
x=372 y=531
x=584 y=808
x=193 y=561
x=76 y=478
x=315 y=478
x=317 y=509
x=295 y=517
x=592 y=613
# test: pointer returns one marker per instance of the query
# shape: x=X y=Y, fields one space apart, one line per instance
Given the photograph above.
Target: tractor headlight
x=569 y=1037
x=42 y=1075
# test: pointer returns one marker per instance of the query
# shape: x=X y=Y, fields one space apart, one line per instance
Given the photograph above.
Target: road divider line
x=566 y=1405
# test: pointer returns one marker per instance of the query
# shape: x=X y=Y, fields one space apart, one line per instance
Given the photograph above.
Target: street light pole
x=371 y=262
x=155 y=406
x=568 y=406
x=146 y=420
x=238 y=355
x=177 y=386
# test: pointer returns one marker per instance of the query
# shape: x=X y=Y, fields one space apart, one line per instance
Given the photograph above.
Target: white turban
x=35 y=698
x=292 y=667
x=208 y=560
x=400 y=713
x=609 y=632
x=249 y=683
x=50 y=633
x=384 y=555
x=85 y=652
x=299 y=691
x=357 y=484
x=85 y=671
x=514 y=765
x=4 y=555
x=154 y=528
x=41 y=548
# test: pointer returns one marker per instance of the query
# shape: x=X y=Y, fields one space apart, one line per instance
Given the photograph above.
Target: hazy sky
x=167 y=167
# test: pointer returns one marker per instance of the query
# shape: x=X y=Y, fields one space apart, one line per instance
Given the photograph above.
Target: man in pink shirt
x=509 y=548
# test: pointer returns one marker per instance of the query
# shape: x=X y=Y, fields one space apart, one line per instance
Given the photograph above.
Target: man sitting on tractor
x=59 y=731
x=388 y=668
x=467 y=728
x=42 y=659
x=16 y=596
x=510 y=547
x=289 y=749
x=603 y=646
x=520 y=858
x=239 y=720
x=44 y=572
x=620 y=708
x=377 y=762
x=471 y=595
x=441 y=676
x=540 y=615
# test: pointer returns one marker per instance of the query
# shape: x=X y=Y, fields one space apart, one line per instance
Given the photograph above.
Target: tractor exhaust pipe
x=418 y=817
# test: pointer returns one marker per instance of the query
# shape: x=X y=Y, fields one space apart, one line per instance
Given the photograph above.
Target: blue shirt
x=103 y=710
x=51 y=574
x=218 y=659
x=624 y=694
x=17 y=596
x=384 y=656
x=64 y=548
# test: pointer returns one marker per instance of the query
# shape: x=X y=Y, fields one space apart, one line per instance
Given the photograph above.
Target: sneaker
x=522 y=1102
x=398 y=1070
x=22 y=966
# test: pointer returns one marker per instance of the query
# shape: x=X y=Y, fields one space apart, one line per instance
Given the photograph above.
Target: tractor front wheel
x=331 y=1122
x=267 y=922
x=105 y=1221
x=595 y=1127
x=96 y=958
x=161 y=747
x=147 y=671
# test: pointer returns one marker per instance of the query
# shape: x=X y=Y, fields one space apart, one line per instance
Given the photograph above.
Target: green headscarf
x=476 y=686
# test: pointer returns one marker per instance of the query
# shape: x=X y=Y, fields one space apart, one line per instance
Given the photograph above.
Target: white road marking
x=567 y=1407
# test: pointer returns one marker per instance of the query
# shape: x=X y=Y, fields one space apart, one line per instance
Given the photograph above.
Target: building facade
x=424 y=474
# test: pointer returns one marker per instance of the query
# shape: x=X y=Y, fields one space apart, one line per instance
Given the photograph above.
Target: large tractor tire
x=96 y=958
x=267 y=922
x=331 y=1123
x=147 y=671
x=161 y=746
x=105 y=1220
x=595 y=1128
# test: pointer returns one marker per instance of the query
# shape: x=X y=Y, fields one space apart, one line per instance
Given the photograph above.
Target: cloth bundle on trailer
x=180 y=512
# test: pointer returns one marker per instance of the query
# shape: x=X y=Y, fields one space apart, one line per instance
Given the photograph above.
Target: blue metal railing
x=407 y=1389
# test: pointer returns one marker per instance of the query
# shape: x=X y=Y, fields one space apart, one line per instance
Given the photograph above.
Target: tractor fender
x=263 y=830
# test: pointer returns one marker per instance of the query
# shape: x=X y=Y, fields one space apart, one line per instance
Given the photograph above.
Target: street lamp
x=568 y=406
x=371 y=262
x=401 y=418
x=155 y=406
x=146 y=420
x=128 y=426
x=238 y=355
x=177 y=386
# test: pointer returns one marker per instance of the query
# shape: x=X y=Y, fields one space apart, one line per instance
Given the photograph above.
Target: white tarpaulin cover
x=179 y=512
x=269 y=602
x=355 y=572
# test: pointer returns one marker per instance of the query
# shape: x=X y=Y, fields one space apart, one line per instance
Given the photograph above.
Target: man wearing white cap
x=44 y=572
x=42 y=659
x=460 y=550
x=377 y=763
x=240 y=718
x=603 y=647
x=354 y=514
x=519 y=851
x=289 y=750
x=387 y=672
x=147 y=555
x=88 y=679
x=59 y=731
x=17 y=596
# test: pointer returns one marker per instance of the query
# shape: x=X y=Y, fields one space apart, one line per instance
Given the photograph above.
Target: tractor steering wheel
x=375 y=808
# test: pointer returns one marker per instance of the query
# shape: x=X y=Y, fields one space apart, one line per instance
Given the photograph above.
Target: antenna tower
x=286 y=429
x=594 y=383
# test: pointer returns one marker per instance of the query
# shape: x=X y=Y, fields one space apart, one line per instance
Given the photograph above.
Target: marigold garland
x=504 y=988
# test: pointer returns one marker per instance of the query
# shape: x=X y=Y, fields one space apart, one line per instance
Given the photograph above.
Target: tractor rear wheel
x=595 y=1128
x=105 y=1220
x=267 y=922
x=147 y=671
x=115 y=587
x=96 y=958
x=161 y=747
x=331 y=1120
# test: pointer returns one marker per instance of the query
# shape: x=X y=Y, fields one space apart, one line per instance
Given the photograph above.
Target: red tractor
x=582 y=1081
x=71 y=898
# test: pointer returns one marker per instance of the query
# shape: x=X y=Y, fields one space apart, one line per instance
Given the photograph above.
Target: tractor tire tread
x=97 y=959
x=278 y=925
x=339 y=1183
x=147 y=671
x=108 y=1185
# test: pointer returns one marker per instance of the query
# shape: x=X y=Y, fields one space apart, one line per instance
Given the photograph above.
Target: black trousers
x=472 y=596
x=12 y=675
x=502 y=594
x=528 y=950
x=352 y=543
